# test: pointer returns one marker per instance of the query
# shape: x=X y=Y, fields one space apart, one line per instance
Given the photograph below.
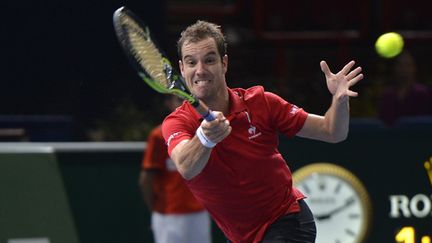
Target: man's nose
x=200 y=68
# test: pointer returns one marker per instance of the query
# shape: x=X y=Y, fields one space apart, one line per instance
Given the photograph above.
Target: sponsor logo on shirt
x=253 y=132
x=171 y=137
x=293 y=110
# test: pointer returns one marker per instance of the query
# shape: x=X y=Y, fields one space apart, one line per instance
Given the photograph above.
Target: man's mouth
x=201 y=82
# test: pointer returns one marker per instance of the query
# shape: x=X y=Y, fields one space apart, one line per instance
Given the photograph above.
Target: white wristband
x=205 y=141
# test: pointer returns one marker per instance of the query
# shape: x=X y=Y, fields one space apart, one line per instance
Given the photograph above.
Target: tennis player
x=232 y=164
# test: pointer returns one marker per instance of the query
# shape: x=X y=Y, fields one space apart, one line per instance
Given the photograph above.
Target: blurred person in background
x=176 y=216
x=404 y=95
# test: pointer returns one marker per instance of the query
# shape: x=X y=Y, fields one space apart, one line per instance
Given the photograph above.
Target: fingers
x=354 y=80
x=347 y=68
x=217 y=129
x=354 y=73
x=352 y=93
x=352 y=76
x=325 y=68
x=217 y=137
x=219 y=121
x=218 y=115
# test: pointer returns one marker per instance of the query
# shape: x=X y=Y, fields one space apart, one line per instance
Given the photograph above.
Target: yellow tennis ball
x=389 y=45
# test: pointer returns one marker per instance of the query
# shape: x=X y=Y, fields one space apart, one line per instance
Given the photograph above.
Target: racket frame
x=176 y=85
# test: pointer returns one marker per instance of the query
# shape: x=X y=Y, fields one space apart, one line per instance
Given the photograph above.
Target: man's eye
x=190 y=63
x=210 y=60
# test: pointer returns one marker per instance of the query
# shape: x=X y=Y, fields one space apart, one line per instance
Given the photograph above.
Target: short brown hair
x=202 y=30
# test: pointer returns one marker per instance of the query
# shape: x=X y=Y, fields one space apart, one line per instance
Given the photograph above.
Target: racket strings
x=145 y=52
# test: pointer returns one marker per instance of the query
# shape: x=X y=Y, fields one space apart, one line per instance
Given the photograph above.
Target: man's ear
x=181 y=67
x=225 y=63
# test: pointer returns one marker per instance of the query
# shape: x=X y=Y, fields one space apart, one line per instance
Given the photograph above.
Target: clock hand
x=336 y=210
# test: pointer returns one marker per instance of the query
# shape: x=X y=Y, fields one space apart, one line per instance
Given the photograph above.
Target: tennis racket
x=150 y=62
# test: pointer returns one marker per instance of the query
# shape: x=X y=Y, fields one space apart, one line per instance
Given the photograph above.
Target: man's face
x=203 y=69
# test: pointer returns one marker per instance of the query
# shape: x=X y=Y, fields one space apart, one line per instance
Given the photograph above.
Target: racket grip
x=204 y=111
x=209 y=116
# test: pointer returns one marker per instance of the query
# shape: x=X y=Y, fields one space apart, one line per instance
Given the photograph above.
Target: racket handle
x=204 y=111
x=209 y=116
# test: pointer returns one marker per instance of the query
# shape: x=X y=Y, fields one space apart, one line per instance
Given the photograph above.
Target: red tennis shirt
x=246 y=184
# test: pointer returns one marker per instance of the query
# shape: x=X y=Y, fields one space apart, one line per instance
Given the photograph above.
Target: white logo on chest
x=252 y=129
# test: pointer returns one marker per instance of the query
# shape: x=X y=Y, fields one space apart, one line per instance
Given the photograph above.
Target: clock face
x=338 y=203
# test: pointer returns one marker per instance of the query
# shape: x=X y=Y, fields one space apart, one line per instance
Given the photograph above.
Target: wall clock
x=339 y=201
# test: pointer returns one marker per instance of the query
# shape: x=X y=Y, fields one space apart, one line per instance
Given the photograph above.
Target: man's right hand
x=218 y=129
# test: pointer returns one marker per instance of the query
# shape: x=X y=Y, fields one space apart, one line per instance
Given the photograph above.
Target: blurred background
x=64 y=72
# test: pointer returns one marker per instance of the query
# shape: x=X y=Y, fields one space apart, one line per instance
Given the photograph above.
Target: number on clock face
x=336 y=206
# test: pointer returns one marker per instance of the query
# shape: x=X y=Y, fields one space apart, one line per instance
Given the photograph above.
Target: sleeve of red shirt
x=156 y=150
x=176 y=128
x=286 y=117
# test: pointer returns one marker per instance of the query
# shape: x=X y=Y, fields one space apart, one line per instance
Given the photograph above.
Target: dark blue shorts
x=292 y=228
